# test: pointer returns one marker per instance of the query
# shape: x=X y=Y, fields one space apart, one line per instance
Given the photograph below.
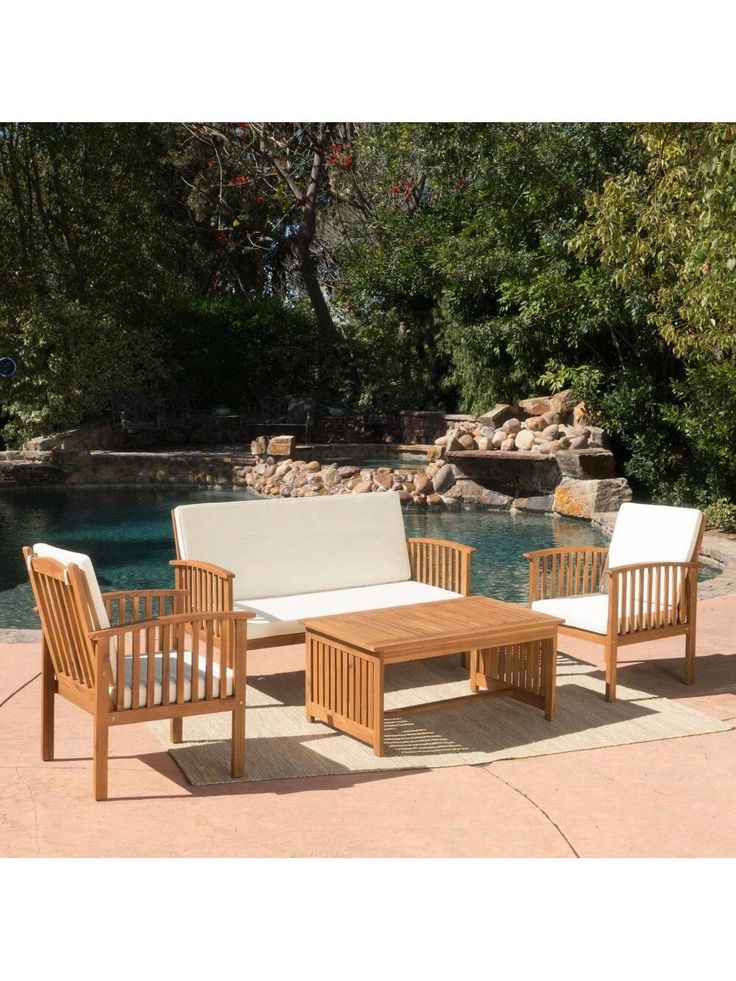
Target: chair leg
x=177 y=730
x=99 y=761
x=611 y=668
x=690 y=656
x=237 y=748
x=48 y=686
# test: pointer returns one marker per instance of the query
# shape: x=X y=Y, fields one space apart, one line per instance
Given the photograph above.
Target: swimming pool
x=127 y=532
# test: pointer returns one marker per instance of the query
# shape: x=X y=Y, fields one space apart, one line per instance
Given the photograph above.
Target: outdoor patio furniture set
x=339 y=574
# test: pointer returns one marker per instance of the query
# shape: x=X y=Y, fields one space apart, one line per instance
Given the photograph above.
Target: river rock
x=550 y=432
x=441 y=441
x=551 y=418
x=363 y=487
x=345 y=473
x=508 y=444
x=535 y=424
x=579 y=442
x=511 y=426
x=422 y=484
x=582 y=498
x=484 y=443
x=498 y=437
x=524 y=440
x=443 y=479
x=467 y=442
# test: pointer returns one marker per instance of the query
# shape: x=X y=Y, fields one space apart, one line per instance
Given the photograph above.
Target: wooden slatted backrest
x=67 y=617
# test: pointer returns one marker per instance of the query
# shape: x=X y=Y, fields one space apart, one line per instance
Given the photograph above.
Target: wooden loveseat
x=287 y=560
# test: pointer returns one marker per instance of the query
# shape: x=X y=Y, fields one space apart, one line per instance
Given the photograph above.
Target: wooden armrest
x=442 y=563
x=143 y=593
x=565 y=550
x=621 y=570
x=172 y=620
x=208 y=567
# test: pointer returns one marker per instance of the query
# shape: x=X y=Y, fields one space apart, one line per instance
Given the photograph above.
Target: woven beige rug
x=280 y=743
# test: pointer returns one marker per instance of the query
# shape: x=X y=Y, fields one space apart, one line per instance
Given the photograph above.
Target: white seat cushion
x=199 y=668
x=584 y=612
x=589 y=612
x=288 y=546
x=277 y=615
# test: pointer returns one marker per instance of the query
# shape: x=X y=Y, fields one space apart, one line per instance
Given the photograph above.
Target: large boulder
x=470 y=492
x=536 y=405
x=586 y=464
x=258 y=446
x=443 y=479
x=498 y=416
x=583 y=498
x=563 y=403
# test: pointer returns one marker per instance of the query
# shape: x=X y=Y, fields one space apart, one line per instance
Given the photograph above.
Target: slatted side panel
x=567 y=573
x=519 y=665
x=341 y=683
x=186 y=664
x=437 y=565
x=653 y=598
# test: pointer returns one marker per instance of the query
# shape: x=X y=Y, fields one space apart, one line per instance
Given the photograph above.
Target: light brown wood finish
x=76 y=659
x=441 y=563
x=513 y=652
x=646 y=601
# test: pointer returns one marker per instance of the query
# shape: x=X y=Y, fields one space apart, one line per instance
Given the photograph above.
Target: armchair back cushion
x=653 y=533
x=99 y=619
x=301 y=545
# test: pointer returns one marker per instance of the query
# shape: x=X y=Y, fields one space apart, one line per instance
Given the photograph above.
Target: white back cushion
x=299 y=545
x=85 y=564
x=653 y=533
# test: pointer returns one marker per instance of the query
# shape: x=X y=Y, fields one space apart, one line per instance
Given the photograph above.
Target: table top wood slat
x=472 y=620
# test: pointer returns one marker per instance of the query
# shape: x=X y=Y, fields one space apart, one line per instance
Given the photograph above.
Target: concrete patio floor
x=676 y=797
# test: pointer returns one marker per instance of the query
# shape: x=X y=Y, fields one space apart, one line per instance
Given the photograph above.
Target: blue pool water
x=127 y=532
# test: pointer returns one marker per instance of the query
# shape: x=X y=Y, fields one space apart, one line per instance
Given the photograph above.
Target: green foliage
x=721 y=514
x=233 y=350
x=71 y=358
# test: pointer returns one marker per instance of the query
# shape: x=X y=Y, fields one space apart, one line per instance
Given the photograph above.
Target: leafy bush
x=721 y=514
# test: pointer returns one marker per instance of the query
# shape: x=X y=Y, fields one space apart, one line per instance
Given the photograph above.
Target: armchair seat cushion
x=583 y=612
x=190 y=670
x=590 y=612
x=277 y=615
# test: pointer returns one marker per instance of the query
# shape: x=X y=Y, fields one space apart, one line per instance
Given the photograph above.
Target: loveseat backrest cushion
x=298 y=545
x=653 y=533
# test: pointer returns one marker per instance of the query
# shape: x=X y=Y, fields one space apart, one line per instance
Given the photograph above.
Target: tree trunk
x=308 y=270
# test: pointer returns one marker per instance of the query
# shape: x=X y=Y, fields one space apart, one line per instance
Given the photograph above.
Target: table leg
x=378 y=708
x=549 y=667
x=473 y=670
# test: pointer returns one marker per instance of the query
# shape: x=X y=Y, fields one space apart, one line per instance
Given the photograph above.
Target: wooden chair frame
x=76 y=659
x=634 y=612
x=208 y=587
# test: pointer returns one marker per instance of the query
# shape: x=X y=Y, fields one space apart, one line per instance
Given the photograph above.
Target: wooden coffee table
x=512 y=652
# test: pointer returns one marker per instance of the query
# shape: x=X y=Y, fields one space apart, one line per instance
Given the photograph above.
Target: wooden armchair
x=121 y=657
x=643 y=587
